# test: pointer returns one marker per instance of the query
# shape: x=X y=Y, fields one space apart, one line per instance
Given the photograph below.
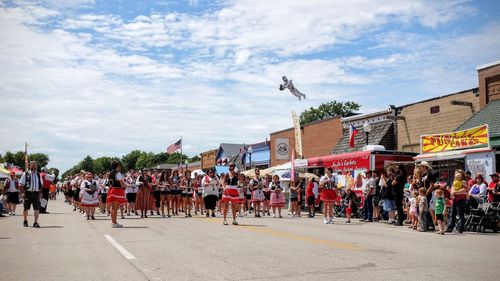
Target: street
x=68 y=247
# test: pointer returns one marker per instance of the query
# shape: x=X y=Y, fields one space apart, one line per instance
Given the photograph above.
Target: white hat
x=426 y=164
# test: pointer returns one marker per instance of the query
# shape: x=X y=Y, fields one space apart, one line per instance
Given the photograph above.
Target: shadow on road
x=51 y=226
x=135 y=226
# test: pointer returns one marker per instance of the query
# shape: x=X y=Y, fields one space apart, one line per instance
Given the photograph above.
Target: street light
x=186 y=162
x=250 y=150
x=367 y=128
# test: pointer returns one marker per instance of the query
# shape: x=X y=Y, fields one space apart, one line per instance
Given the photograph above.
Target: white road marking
x=119 y=247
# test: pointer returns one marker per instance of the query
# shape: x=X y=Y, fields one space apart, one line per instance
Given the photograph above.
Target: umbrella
x=198 y=172
x=308 y=175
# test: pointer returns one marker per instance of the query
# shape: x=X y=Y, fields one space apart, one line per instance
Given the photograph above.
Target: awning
x=448 y=155
x=346 y=161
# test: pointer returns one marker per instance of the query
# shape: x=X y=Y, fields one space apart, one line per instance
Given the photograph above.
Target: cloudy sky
x=106 y=77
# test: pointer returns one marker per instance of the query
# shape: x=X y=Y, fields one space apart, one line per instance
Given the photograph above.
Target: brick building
x=436 y=115
x=318 y=139
x=489 y=82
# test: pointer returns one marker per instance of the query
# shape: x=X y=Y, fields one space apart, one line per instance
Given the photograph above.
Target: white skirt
x=89 y=200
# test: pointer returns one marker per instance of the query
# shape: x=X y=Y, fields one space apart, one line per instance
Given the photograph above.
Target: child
x=422 y=210
x=457 y=182
x=440 y=211
x=413 y=210
x=277 y=197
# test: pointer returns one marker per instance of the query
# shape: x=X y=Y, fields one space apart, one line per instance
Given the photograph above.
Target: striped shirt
x=34 y=181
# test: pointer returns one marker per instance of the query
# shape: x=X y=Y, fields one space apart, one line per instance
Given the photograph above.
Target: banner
x=471 y=138
x=282 y=149
x=298 y=135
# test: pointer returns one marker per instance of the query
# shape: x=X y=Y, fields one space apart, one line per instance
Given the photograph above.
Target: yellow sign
x=298 y=135
x=471 y=138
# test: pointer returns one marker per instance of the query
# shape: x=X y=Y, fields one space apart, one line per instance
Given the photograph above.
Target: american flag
x=174 y=147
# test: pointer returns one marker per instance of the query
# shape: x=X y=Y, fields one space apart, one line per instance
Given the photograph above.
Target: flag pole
x=25 y=156
x=181 y=154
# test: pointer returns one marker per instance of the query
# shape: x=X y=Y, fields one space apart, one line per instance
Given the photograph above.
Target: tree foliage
x=325 y=110
x=17 y=158
x=136 y=160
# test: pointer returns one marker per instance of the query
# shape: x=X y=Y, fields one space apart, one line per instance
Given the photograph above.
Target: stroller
x=485 y=216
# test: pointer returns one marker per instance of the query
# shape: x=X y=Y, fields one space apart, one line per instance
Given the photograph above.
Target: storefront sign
x=351 y=164
x=298 y=135
x=282 y=149
x=471 y=138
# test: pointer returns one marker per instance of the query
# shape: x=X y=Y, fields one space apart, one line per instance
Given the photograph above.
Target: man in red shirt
x=311 y=199
x=493 y=190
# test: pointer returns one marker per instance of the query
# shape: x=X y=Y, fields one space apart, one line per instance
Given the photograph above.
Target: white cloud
x=71 y=92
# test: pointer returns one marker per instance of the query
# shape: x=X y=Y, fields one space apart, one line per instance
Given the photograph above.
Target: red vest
x=46 y=183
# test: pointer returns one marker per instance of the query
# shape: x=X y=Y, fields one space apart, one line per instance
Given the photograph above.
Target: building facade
x=318 y=138
x=436 y=115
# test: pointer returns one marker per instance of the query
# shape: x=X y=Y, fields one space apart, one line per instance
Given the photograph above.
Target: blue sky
x=106 y=77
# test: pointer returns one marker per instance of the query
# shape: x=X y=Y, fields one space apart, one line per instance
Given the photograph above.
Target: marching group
x=423 y=199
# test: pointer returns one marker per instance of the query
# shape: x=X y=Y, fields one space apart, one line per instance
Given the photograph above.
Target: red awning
x=16 y=170
x=341 y=162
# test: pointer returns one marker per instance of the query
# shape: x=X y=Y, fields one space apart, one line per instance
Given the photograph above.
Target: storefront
x=468 y=150
x=257 y=155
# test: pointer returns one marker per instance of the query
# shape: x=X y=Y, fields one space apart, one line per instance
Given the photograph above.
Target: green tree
x=1 y=158
x=145 y=160
x=87 y=164
x=195 y=158
x=41 y=159
x=102 y=164
x=129 y=160
x=325 y=110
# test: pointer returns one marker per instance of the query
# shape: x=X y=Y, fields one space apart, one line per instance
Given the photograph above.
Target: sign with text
x=471 y=138
x=298 y=135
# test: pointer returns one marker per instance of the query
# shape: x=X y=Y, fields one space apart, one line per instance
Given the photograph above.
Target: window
x=435 y=109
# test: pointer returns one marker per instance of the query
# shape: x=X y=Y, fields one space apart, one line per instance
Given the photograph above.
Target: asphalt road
x=68 y=247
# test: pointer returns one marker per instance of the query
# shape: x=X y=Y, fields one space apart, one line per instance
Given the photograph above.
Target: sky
x=103 y=78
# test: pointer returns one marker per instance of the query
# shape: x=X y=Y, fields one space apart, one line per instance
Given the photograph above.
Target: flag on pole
x=292 y=178
x=352 y=133
x=175 y=146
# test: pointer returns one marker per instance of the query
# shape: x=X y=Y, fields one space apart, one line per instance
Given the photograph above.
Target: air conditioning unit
x=373 y=147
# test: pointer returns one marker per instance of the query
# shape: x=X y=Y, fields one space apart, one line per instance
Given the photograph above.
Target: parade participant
x=188 y=187
x=294 y=198
x=116 y=193
x=241 y=192
x=230 y=195
x=155 y=179
x=310 y=197
x=75 y=186
x=267 y=195
x=257 y=194
x=248 y=195
x=89 y=195
x=103 y=191
x=328 y=195
x=165 y=196
x=198 y=192
x=131 y=192
x=143 y=200
x=176 y=192
x=53 y=191
x=11 y=190
x=220 y=189
x=47 y=180
x=210 y=185
x=277 y=197
x=31 y=186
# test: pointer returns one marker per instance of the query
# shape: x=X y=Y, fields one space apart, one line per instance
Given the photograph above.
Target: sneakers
x=25 y=223
x=92 y=217
x=330 y=221
x=36 y=225
x=213 y=215
x=225 y=223
x=116 y=225
x=325 y=221
x=235 y=223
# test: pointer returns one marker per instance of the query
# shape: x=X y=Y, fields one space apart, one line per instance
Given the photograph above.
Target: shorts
x=389 y=205
x=199 y=194
x=311 y=200
x=294 y=199
x=440 y=217
x=376 y=201
x=184 y=195
x=32 y=198
x=76 y=195
x=248 y=197
x=176 y=192
x=210 y=202
x=165 y=192
x=104 y=197
x=70 y=193
x=13 y=197
x=131 y=197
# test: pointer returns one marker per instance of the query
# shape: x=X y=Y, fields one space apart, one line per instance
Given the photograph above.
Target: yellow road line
x=295 y=237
